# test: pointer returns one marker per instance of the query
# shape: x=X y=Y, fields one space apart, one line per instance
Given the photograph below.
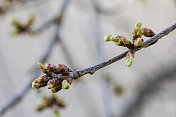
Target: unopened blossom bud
x=122 y=41
x=51 y=68
x=109 y=38
x=138 y=25
x=129 y=58
x=138 y=42
x=51 y=84
x=63 y=69
x=35 y=85
x=42 y=79
x=147 y=32
x=65 y=84
x=137 y=33
x=41 y=67
x=38 y=85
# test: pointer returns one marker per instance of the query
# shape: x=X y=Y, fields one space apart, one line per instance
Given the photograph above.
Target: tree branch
x=91 y=70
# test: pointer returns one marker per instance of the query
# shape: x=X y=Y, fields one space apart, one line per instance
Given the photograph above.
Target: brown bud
x=63 y=69
x=147 y=32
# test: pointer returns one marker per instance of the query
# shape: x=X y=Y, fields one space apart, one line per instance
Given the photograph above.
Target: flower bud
x=41 y=67
x=138 y=25
x=63 y=69
x=35 y=85
x=136 y=33
x=138 y=42
x=129 y=58
x=122 y=41
x=65 y=84
x=42 y=79
x=109 y=38
x=147 y=32
x=51 y=68
x=51 y=84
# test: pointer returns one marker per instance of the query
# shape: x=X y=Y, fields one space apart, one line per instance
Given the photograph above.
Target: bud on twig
x=41 y=66
x=51 y=84
x=129 y=58
x=147 y=32
x=109 y=38
x=65 y=84
x=138 y=25
x=138 y=42
x=119 y=40
x=63 y=69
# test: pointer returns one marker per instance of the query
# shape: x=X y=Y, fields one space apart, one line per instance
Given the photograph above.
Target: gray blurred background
x=149 y=85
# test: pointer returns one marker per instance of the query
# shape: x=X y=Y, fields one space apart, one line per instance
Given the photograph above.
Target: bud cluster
x=138 y=41
x=54 y=102
x=51 y=79
x=19 y=28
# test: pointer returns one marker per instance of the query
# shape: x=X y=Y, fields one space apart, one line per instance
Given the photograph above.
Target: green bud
x=65 y=84
x=41 y=67
x=129 y=58
x=147 y=32
x=137 y=33
x=109 y=38
x=35 y=85
x=38 y=80
x=138 y=42
x=138 y=25
x=51 y=84
x=63 y=69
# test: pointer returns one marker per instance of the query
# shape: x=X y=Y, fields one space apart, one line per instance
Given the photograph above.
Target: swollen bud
x=41 y=67
x=35 y=85
x=147 y=32
x=65 y=84
x=122 y=41
x=63 y=69
x=129 y=58
x=109 y=38
x=138 y=42
x=138 y=25
x=51 y=84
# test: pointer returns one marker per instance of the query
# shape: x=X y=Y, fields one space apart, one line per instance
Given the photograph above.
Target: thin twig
x=91 y=70
x=18 y=97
